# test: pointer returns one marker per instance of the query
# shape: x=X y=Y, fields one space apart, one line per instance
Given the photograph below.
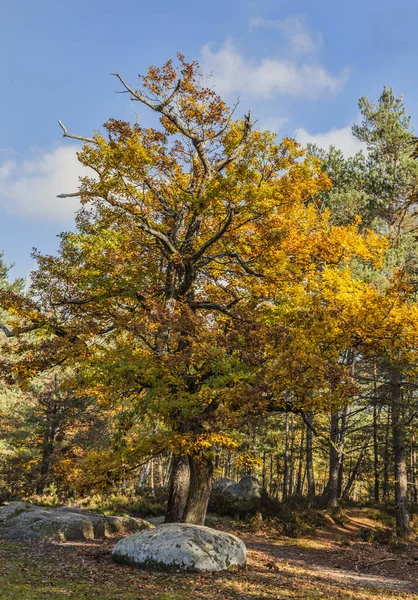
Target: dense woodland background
x=229 y=304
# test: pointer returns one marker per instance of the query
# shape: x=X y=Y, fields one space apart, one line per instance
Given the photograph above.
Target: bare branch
x=75 y=137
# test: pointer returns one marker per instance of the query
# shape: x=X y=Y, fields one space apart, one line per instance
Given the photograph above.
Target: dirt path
x=338 y=554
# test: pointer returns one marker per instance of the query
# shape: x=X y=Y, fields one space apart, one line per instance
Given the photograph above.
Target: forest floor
x=333 y=563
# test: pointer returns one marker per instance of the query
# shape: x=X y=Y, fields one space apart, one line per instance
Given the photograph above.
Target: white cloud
x=30 y=186
x=232 y=74
x=341 y=138
x=274 y=124
x=294 y=31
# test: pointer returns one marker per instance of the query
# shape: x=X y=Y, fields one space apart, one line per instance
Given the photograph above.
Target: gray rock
x=155 y=520
x=248 y=488
x=12 y=509
x=222 y=483
x=24 y=520
x=181 y=547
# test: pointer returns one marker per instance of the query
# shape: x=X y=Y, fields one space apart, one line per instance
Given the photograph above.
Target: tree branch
x=7 y=331
x=221 y=164
x=75 y=137
x=211 y=306
x=217 y=235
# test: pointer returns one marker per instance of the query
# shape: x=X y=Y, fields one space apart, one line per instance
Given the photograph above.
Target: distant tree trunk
x=354 y=472
x=341 y=454
x=292 y=455
x=330 y=493
x=167 y=473
x=386 y=458
x=309 y=456
x=179 y=489
x=143 y=477
x=47 y=449
x=160 y=472
x=414 y=471
x=375 y=439
x=47 y=453
x=403 y=528
x=151 y=479
x=376 y=456
x=201 y=475
x=286 y=459
x=264 y=470
x=299 y=484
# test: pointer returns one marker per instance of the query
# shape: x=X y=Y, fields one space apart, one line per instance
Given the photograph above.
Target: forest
x=230 y=307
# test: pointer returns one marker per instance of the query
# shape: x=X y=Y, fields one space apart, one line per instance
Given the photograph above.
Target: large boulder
x=24 y=520
x=181 y=547
x=11 y=509
x=248 y=488
x=222 y=483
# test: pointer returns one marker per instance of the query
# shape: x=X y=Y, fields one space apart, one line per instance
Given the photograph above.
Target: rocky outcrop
x=181 y=547
x=23 y=520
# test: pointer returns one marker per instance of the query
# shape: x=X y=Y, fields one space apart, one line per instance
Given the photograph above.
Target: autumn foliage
x=203 y=285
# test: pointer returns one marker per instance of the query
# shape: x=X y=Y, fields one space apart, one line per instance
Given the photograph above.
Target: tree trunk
x=354 y=472
x=201 y=474
x=179 y=489
x=376 y=457
x=309 y=457
x=299 y=484
x=375 y=439
x=286 y=459
x=341 y=454
x=330 y=493
x=386 y=458
x=143 y=477
x=292 y=456
x=47 y=452
x=414 y=471
x=403 y=528
x=47 y=449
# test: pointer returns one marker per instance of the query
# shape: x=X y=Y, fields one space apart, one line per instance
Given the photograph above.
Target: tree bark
x=201 y=475
x=403 y=528
x=179 y=489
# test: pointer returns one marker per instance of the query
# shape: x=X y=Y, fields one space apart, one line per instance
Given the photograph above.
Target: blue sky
x=299 y=65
